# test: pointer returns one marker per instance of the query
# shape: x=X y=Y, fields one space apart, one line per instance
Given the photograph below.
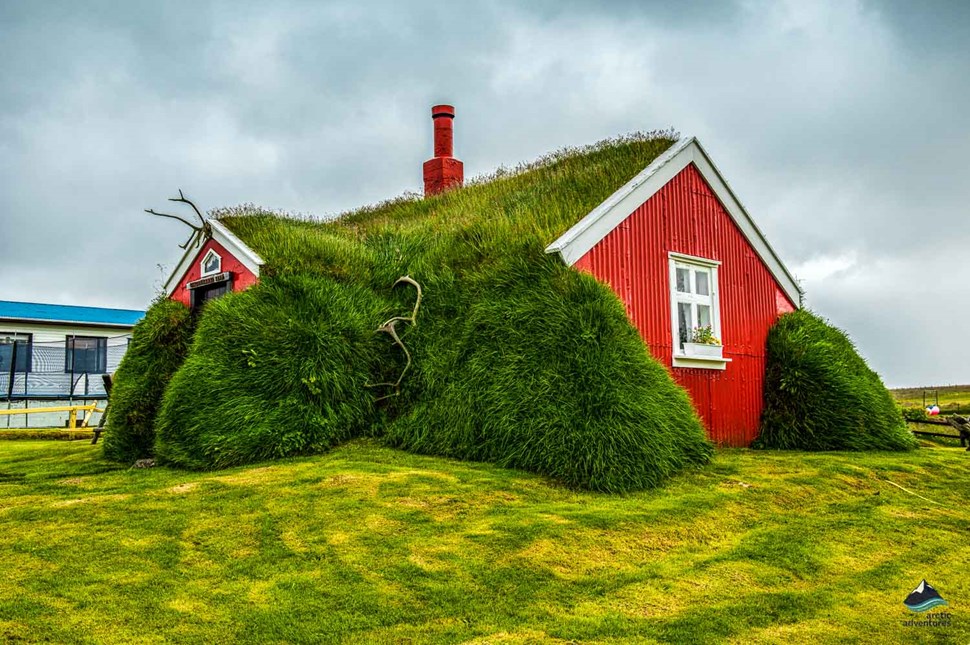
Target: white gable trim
x=587 y=233
x=248 y=257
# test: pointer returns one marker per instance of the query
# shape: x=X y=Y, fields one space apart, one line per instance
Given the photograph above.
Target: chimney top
x=443 y=110
x=443 y=171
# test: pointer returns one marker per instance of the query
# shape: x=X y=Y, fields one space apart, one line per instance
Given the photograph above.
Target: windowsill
x=700 y=362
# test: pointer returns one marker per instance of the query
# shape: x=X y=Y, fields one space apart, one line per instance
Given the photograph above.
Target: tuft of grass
x=821 y=395
x=517 y=359
x=159 y=344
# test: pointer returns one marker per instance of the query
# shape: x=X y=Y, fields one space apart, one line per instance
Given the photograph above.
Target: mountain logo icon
x=923 y=598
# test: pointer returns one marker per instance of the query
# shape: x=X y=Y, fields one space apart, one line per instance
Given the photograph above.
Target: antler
x=181 y=198
x=414 y=314
x=390 y=328
x=196 y=230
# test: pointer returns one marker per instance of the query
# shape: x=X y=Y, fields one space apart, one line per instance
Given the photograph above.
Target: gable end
x=589 y=231
x=221 y=234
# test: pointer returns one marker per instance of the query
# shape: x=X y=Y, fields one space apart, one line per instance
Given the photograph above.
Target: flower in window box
x=703 y=344
x=704 y=336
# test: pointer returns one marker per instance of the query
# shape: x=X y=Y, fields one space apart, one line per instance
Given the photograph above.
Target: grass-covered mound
x=821 y=395
x=275 y=371
x=542 y=371
x=159 y=344
x=517 y=359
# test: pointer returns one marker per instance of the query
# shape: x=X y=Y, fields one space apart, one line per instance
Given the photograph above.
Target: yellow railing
x=71 y=409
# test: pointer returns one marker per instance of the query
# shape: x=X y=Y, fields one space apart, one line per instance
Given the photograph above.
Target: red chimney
x=443 y=171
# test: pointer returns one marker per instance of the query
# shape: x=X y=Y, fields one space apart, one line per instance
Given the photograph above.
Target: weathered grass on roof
x=518 y=359
x=538 y=201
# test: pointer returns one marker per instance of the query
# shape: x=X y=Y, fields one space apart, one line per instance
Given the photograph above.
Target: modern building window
x=18 y=343
x=693 y=298
x=86 y=354
x=211 y=263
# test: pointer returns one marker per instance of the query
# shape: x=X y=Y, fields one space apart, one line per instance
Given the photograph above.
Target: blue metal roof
x=40 y=312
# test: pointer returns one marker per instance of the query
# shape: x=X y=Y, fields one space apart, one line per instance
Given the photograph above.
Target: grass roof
x=536 y=201
x=515 y=358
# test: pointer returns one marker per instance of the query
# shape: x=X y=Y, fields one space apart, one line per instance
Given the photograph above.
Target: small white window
x=695 y=314
x=211 y=263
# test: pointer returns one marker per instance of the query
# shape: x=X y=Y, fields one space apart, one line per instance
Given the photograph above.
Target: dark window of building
x=86 y=354
x=205 y=293
x=24 y=351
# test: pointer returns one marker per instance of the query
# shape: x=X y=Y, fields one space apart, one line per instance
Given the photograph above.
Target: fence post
x=12 y=372
x=72 y=348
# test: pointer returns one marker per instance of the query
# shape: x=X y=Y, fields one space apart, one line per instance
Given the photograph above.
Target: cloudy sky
x=843 y=126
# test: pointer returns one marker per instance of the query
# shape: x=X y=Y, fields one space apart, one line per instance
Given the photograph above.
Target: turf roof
x=536 y=201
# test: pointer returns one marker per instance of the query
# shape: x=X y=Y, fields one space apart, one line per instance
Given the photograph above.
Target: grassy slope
x=288 y=380
x=375 y=545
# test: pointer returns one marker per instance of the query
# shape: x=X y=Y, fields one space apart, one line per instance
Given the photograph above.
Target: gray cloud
x=839 y=124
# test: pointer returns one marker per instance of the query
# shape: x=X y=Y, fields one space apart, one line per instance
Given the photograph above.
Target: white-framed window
x=211 y=263
x=694 y=305
x=86 y=354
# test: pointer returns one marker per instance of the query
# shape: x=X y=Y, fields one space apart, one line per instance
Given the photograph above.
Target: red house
x=216 y=262
x=674 y=243
x=682 y=253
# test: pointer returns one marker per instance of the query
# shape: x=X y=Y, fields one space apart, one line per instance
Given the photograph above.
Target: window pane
x=703 y=316
x=683 y=280
x=23 y=355
x=85 y=343
x=211 y=264
x=87 y=354
x=703 y=283
x=683 y=322
x=23 y=348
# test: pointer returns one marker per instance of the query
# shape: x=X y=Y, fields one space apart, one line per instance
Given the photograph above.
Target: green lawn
x=375 y=545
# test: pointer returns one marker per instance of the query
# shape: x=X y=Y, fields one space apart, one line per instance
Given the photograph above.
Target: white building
x=56 y=354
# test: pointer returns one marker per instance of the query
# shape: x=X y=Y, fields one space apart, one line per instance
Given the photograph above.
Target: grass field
x=369 y=544
x=952 y=398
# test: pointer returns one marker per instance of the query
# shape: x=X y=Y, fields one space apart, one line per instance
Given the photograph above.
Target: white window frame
x=211 y=252
x=681 y=260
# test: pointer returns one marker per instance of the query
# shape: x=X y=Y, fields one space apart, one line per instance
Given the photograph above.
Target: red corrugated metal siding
x=686 y=217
